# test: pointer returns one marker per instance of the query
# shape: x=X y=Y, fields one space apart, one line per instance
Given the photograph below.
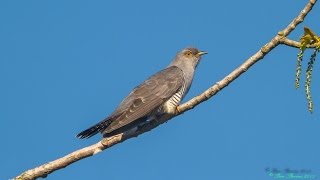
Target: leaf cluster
x=308 y=39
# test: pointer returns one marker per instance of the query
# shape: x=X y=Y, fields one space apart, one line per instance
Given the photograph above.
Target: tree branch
x=280 y=38
x=293 y=43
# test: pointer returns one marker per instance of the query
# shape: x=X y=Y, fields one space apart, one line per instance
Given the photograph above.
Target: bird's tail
x=96 y=128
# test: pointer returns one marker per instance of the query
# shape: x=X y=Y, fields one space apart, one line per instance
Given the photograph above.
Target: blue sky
x=65 y=65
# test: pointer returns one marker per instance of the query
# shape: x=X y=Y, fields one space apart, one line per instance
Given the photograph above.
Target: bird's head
x=189 y=57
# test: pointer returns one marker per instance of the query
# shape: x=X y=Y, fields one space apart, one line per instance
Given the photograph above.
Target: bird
x=159 y=95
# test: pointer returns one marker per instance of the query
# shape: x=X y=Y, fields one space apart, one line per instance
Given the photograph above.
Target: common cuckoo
x=158 y=95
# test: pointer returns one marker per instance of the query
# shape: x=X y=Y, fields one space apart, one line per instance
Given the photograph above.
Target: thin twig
x=44 y=170
x=293 y=43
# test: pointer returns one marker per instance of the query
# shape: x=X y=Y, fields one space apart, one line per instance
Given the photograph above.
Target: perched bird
x=156 y=96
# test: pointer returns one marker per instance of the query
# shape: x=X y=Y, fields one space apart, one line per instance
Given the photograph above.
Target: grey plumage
x=159 y=94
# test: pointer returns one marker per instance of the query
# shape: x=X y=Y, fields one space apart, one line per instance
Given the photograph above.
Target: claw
x=177 y=110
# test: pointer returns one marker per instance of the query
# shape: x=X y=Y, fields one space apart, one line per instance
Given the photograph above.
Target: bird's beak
x=202 y=53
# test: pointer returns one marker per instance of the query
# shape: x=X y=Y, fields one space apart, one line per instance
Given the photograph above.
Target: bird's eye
x=188 y=54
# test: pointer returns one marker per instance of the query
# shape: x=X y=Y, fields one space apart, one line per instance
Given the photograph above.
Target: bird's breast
x=170 y=106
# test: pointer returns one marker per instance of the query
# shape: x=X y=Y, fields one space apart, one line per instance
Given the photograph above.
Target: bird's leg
x=177 y=110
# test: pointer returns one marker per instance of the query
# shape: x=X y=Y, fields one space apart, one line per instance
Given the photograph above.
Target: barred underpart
x=171 y=105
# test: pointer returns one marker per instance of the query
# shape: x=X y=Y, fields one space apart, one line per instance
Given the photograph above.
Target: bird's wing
x=148 y=96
